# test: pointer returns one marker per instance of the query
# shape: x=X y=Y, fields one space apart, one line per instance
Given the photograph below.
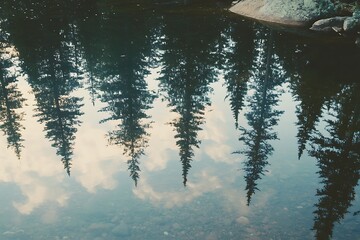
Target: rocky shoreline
x=302 y=13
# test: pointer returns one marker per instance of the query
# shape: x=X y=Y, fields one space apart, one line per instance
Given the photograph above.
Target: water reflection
x=53 y=75
x=338 y=155
x=126 y=58
x=238 y=54
x=98 y=56
x=11 y=98
x=187 y=71
x=266 y=78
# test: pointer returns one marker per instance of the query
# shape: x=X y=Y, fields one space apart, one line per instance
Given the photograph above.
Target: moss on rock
x=299 y=10
x=294 y=12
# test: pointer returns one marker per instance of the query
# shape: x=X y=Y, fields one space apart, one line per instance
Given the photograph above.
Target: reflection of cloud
x=50 y=216
x=38 y=173
x=162 y=141
x=218 y=132
x=96 y=162
x=236 y=202
x=38 y=193
x=206 y=183
x=262 y=201
x=90 y=168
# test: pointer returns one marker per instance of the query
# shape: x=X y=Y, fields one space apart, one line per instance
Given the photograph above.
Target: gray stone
x=328 y=24
x=243 y=220
x=301 y=10
x=357 y=42
x=351 y=24
x=285 y=12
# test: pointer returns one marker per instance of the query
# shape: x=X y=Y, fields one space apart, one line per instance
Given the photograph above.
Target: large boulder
x=329 y=24
x=352 y=24
x=294 y=12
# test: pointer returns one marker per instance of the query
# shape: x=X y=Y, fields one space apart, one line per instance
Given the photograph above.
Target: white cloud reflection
x=162 y=141
x=96 y=162
x=205 y=183
x=96 y=165
x=217 y=146
x=39 y=174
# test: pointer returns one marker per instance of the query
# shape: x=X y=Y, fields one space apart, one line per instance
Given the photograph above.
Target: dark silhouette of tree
x=309 y=110
x=266 y=78
x=338 y=155
x=90 y=36
x=238 y=54
x=56 y=108
x=49 y=53
x=188 y=69
x=313 y=86
x=128 y=99
x=11 y=99
x=318 y=70
x=128 y=50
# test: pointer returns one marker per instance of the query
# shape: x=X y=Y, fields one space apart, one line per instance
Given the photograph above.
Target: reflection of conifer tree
x=10 y=98
x=313 y=95
x=128 y=99
x=49 y=58
x=308 y=111
x=317 y=70
x=124 y=88
x=185 y=77
x=55 y=107
x=90 y=37
x=339 y=161
x=266 y=77
x=238 y=57
x=312 y=86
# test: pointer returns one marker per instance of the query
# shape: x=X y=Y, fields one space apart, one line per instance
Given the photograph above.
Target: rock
x=285 y=12
x=338 y=29
x=99 y=226
x=357 y=42
x=351 y=24
x=8 y=233
x=15 y=234
x=327 y=24
x=243 y=220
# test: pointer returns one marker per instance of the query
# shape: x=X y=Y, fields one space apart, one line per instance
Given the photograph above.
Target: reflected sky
x=190 y=135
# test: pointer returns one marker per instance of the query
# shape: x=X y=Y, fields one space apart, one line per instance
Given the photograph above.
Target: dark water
x=174 y=120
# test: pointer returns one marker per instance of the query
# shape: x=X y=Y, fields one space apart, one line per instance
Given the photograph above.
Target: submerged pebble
x=242 y=220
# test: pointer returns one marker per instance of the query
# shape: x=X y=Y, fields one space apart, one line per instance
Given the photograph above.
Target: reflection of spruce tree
x=311 y=96
x=55 y=107
x=49 y=59
x=185 y=77
x=266 y=78
x=312 y=85
x=10 y=99
x=124 y=88
x=238 y=57
x=318 y=71
x=89 y=29
x=339 y=161
x=128 y=99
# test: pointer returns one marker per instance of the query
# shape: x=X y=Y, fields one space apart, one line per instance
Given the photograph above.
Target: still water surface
x=173 y=121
